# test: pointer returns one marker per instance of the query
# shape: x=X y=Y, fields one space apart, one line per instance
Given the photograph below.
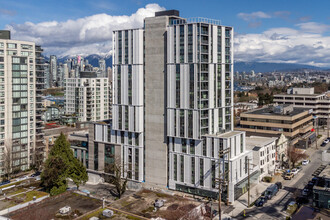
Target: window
x=11 y=46
x=201 y=172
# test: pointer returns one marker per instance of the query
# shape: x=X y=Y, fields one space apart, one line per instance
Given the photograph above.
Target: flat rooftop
x=254 y=141
x=225 y=135
x=299 y=95
x=270 y=111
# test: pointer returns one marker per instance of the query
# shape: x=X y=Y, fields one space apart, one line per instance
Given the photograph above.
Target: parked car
x=279 y=185
x=325 y=142
x=288 y=176
x=36 y=174
x=314 y=180
x=4 y=182
x=310 y=185
x=305 y=162
x=305 y=192
x=299 y=168
x=271 y=191
x=260 y=201
x=294 y=171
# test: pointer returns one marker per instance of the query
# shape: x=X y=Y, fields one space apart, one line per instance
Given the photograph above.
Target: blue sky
x=289 y=31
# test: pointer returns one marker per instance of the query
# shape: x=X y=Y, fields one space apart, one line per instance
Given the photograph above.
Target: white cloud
x=313 y=27
x=305 y=45
x=88 y=35
x=253 y=16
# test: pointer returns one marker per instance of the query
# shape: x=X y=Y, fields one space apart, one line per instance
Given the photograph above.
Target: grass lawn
x=26 y=197
x=11 y=184
x=96 y=213
x=20 y=190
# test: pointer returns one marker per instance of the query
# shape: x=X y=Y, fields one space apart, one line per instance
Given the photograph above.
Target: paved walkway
x=242 y=202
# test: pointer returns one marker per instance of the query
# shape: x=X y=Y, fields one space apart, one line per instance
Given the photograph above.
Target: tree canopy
x=61 y=165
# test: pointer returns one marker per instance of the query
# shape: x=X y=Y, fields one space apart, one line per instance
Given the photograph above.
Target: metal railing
x=195 y=20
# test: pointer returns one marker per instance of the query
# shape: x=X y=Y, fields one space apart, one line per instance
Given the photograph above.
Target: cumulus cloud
x=88 y=35
x=304 y=44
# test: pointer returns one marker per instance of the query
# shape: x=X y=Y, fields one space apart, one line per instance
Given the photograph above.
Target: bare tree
x=37 y=159
x=294 y=155
x=7 y=158
x=118 y=177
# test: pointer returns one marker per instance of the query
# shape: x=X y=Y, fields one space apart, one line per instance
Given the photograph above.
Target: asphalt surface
x=275 y=208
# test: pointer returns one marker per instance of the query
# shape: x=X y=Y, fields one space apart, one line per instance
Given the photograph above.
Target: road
x=275 y=208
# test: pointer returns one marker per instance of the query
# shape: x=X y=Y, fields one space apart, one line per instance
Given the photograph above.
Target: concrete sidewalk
x=242 y=202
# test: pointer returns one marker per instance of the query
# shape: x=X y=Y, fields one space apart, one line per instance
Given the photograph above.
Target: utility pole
x=248 y=166
x=328 y=125
x=222 y=181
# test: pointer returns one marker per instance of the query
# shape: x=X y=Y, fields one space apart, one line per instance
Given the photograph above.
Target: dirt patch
x=48 y=208
x=142 y=204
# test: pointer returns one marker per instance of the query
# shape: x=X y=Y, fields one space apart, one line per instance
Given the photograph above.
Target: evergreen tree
x=60 y=165
x=78 y=173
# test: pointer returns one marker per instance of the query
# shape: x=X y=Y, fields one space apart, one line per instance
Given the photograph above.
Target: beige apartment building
x=294 y=123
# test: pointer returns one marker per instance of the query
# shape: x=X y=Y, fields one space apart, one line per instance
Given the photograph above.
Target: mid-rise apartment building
x=88 y=98
x=306 y=98
x=294 y=123
x=172 y=111
x=21 y=85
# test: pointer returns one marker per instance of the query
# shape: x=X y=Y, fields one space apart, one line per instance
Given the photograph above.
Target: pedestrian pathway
x=242 y=202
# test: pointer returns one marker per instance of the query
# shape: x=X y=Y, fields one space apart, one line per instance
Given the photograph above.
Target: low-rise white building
x=264 y=153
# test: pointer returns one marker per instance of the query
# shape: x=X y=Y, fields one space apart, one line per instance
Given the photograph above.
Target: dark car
x=261 y=201
x=4 y=182
x=36 y=174
x=279 y=185
x=271 y=191
x=310 y=185
x=306 y=192
x=314 y=180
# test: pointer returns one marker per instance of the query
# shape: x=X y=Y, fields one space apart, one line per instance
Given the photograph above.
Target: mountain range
x=238 y=66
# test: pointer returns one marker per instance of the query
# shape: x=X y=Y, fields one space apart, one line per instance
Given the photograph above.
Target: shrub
x=267 y=179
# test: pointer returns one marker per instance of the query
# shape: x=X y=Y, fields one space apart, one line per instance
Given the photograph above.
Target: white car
x=305 y=162
x=294 y=171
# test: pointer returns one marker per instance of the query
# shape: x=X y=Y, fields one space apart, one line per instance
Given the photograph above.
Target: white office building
x=88 y=98
x=21 y=85
x=306 y=98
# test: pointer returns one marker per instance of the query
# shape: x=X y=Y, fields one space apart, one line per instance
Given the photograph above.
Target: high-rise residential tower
x=89 y=98
x=21 y=85
x=172 y=111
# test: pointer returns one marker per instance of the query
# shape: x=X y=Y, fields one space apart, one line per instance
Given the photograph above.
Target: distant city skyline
x=277 y=31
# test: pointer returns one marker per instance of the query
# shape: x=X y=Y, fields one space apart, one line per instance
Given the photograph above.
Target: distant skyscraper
x=102 y=67
x=53 y=69
x=65 y=71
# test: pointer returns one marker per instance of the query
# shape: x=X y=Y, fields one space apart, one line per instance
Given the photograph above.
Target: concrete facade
x=155 y=101
x=173 y=108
